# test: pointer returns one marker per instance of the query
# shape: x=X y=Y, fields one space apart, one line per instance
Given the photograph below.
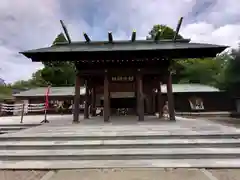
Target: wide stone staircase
x=12 y=128
x=103 y=146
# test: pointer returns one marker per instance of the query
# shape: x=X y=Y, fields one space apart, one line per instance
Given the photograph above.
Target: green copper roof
x=178 y=49
x=54 y=91
x=4 y=97
x=122 y=46
x=178 y=88
x=69 y=91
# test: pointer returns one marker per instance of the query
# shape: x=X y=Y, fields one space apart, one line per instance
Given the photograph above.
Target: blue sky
x=28 y=24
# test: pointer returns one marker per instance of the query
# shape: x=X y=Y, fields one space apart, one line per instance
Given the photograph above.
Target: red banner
x=46 y=97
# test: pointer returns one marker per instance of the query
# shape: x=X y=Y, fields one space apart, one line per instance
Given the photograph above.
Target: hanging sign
x=122 y=78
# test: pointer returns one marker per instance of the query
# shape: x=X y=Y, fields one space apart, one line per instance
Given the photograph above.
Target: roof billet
x=86 y=37
x=133 y=37
x=178 y=29
x=66 y=31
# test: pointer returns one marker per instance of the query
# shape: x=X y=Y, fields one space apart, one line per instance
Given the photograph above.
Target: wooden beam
x=178 y=28
x=86 y=107
x=170 y=98
x=87 y=39
x=110 y=37
x=106 y=110
x=76 y=109
x=66 y=31
x=140 y=98
x=126 y=72
x=133 y=38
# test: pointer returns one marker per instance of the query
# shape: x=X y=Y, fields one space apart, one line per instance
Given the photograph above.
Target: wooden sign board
x=122 y=78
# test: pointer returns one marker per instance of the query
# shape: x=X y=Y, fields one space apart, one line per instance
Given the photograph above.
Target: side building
x=188 y=98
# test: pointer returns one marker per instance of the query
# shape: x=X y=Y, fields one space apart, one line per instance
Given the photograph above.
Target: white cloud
x=24 y=24
x=27 y=24
x=206 y=33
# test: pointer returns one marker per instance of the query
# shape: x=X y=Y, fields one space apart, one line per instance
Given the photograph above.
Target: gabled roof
x=178 y=88
x=69 y=91
x=54 y=91
x=102 y=49
x=122 y=46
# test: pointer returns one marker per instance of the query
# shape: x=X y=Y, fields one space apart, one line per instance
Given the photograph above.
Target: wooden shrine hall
x=138 y=66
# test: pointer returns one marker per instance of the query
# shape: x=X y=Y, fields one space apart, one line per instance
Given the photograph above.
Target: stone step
x=99 y=164
x=113 y=136
x=16 y=128
x=19 y=125
x=8 y=131
x=115 y=144
x=120 y=154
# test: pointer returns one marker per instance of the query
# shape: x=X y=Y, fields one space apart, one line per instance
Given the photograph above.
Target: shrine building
x=137 y=66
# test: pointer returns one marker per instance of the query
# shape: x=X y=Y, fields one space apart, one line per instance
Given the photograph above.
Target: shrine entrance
x=119 y=68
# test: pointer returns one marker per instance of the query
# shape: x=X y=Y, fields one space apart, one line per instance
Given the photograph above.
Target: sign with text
x=122 y=78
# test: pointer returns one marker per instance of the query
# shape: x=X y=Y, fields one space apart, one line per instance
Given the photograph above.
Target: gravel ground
x=226 y=174
x=124 y=174
x=21 y=175
x=130 y=174
x=233 y=122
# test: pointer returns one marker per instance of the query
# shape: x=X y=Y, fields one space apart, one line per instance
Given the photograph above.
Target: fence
x=22 y=109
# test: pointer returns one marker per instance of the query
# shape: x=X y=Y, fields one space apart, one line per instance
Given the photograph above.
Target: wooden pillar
x=148 y=103
x=136 y=95
x=153 y=102
x=76 y=109
x=106 y=110
x=93 y=99
x=140 y=98
x=160 y=100
x=170 y=98
x=86 y=106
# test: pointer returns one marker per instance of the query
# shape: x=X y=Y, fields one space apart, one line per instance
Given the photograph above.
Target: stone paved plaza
x=62 y=125
x=62 y=139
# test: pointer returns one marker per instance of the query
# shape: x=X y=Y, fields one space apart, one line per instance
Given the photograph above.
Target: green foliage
x=209 y=71
x=203 y=71
x=231 y=79
x=59 y=39
x=221 y=72
x=58 y=73
x=22 y=84
x=166 y=32
x=6 y=90
x=61 y=75
x=35 y=81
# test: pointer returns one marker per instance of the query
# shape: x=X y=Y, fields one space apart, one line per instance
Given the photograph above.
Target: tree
x=231 y=81
x=204 y=71
x=207 y=71
x=58 y=73
x=5 y=92
x=59 y=39
x=35 y=81
x=166 y=32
